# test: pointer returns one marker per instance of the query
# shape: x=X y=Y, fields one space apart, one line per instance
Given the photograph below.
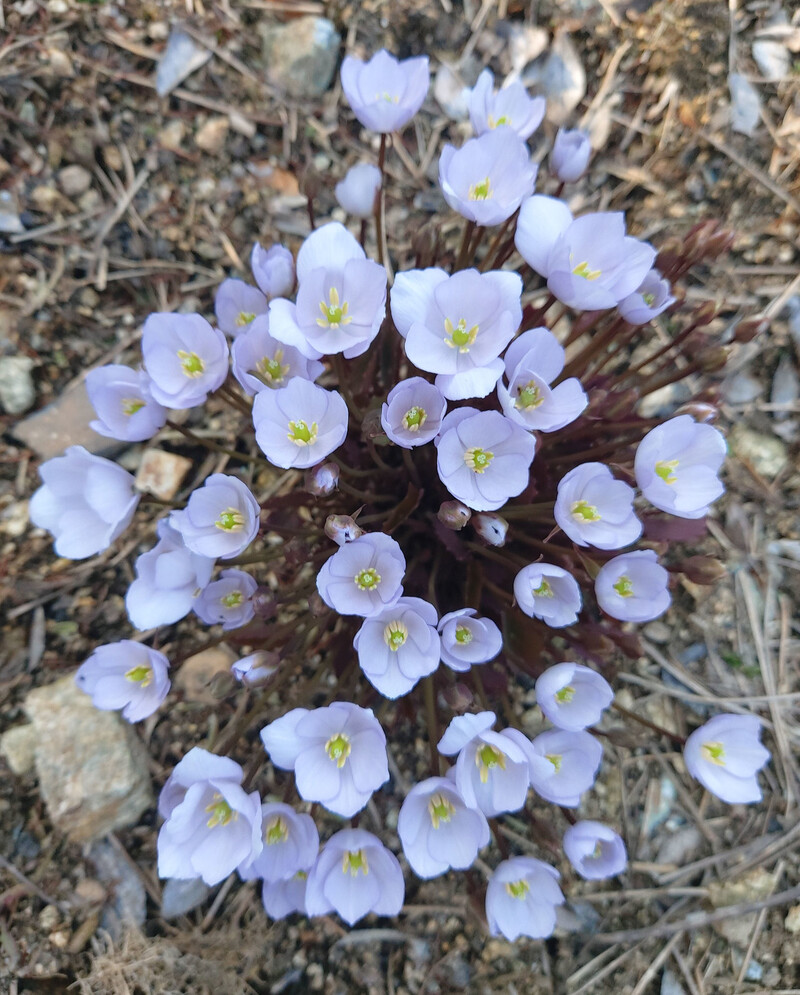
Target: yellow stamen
x=276 y=831
x=193 y=365
x=415 y=418
x=543 y=590
x=232 y=600
x=582 y=269
x=518 y=889
x=395 y=635
x=487 y=758
x=664 y=470
x=301 y=435
x=715 y=752
x=624 y=587
x=140 y=675
x=230 y=520
x=480 y=191
x=458 y=336
x=478 y=459
x=440 y=810
x=272 y=371
x=463 y=635
x=130 y=405
x=334 y=313
x=565 y=695
x=503 y=119
x=338 y=749
x=555 y=759
x=528 y=396
x=221 y=812
x=367 y=580
x=244 y=318
x=585 y=511
x=355 y=861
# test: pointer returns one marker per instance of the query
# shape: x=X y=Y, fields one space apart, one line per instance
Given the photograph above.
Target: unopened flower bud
x=454 y=515
x=750 y=329
x=342 y=529
x=714 y=359
x=700 y=411
x=702 y=569
x=357 y=192
x=257 y=668
x=264 y=604
x=491 y=528
x=458 y=697
x=570 y=155
x=322 y=480
x=705 y=313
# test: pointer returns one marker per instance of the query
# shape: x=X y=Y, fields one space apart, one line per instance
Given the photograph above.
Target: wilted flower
x=438 y=830
x=573 y=696
x=221 y=518
x=648 y=301
x=185 y=358
x=322 y=479
x=342 y=529
x=385 y=93
x=548 y=592
x=467 y=639
x=356 y=193
x=364 y=576
x=255 y=668
x=570 y=155
x=125 y=675
x=633 y=587
x=237 y=305
x=595 y=850
x=85 y=502
x=725 y=755
x=259 y=361
x=573 y=758
x=227 y=600
x=594 y=509
x=521 y=899
x=511 y=106
x=491 y=528
x=413 y=412
x=123 y=404
x=299 y=424
x=355 y=874
x=454 y=515
x=399 y=646
x=273 y=270
x=291 y=842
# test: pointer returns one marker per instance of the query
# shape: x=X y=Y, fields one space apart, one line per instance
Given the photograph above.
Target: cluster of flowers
x=447 y=337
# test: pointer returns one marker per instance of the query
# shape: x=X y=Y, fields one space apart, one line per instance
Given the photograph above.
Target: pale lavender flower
x=85 y=502
x=255 y=668
x=259 y=361
x=438 y=830
x=291 y=842
x=483 y=458
x=185 y=358
x=125 y=675
x=221 y=518
x=574 y=759
x=337 y=753
x=237 y=305
x=573 y=696
x=358 y=191
x=676 y=466
x=364 y=576
x=589 y=262
x=322 y=479
x=341 y=297
x=413 y=412
x=273 y=270
x=633 y=587
x=725 y=755
x=212 y=825
x=491 y=528
x=487 y=179
x=570 y=155
x=594 y=509
x=649 y=300
x=399 y=646
x=227 y=600
x=492 y=770
x=281 y=898
x=467 y=639
x=123 y=404
x=548 y=592
x=595 y=850
x=385 y=93
x=169 y=578
x=521 y=899
x=532 y=362
x=510 y=106
x=299 y=424
x=355 y=874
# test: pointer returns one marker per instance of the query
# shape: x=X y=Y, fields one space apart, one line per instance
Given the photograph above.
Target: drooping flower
x=413 y=412
x=227 y=600
x=510 y=106
x=492 y=771
x=299 y=424
x=725 y=756
x=594 y=509
x=589 y=262
x=595 y=850
x=123 y=404
x=633 y=587
x=649 y=300
x=322 y=479
x=221 y=518
x=255 y=668
x=385 y=93
x=237 y=305
x=548 y=592
x=337 y=753
x=532 y=362
x=676 y=466
x=521 y=899
x=364 y=576
x=438 y=830
x=125 y=675
x=491 y=528
x=468 y=640
x=169 y=578
x=291 y=842
x=573 y=758
x=399 y=646
x=185 y=358
x=281 y=898
x=570 y=155
x=358 y=190
x=488 y=178
x=84 y=501
x=483 y=458
x=573 y=696
x=261 y=362
x=212 y=825
x=355 y=874
x=273 y=270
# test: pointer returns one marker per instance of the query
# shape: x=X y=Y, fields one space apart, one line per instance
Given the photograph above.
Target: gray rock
x=91 y=765
x=180 y=897
x=301 y=55
x=767 y=454
x=741 y=388
x=785 y=387
x=560 y=77
x=772 y=58
x=18 y=746
x=17 y=392
x=124 y=885
x=745 y=104
x=182 y=57
x=74 y=180
x=10 y=221
x=670 y=984
x=64 y=423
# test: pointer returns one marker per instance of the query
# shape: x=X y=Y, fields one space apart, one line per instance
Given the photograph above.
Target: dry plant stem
x=429 y=696
x=234 y=400
x=499 y=839
x=668 y=376
x=343 y=379
x=494 y=250
x=680 y=740
x=161 y=502
x=463 y=252
x=656 y=355
x=212 y=446
x=379 y=201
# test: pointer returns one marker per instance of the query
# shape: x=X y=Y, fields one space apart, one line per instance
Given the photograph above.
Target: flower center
x=130 y=405
x=338 y=749
x=528 y=396
x=463 y=635
x=272 y=371
x=140 y=675
x=478 y=459
x=193 y=365
x=583 y=511
x=458 y=336
x=496 y=122
x=664 y=470
x=518 y=889
x=582 y=269
x=715 y=752
x=624 y=587
x=276 y=831
x=487 y=758
x=480 y=191
x=244 y=318
x=390 y=98
x=232 y=600
x=649 y=299
x=301 y=435
x=395 y=635
x=334 y=313
x=355 y=861
x=543 y=590
x=367 y=580
x=440 y=810
x=555 y=759
x=565 y=695
x=221 y=812
x=415 y=418
x=230 y=520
